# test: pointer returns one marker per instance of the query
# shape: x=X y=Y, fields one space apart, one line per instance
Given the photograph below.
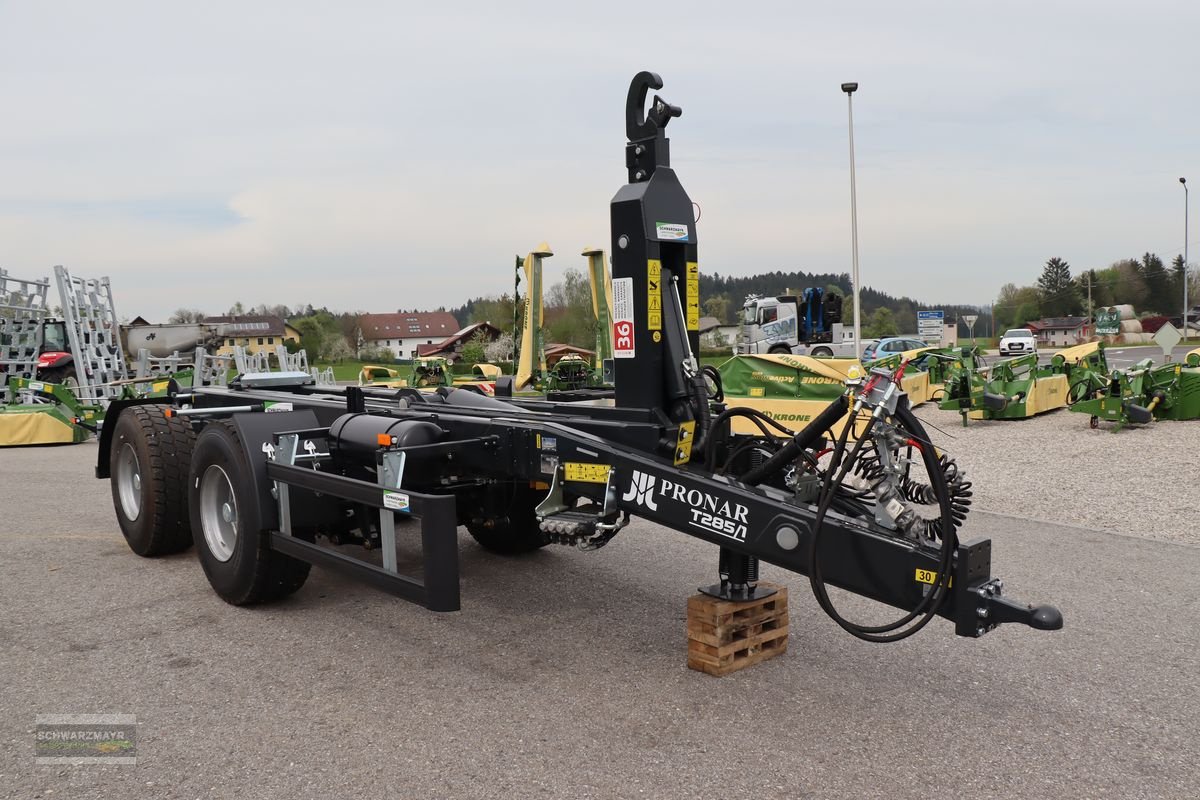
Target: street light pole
x=849 y=89
x=1185 y=257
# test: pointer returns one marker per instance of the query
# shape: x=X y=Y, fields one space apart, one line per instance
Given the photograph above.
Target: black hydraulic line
x=799 y=443
x=932 y=601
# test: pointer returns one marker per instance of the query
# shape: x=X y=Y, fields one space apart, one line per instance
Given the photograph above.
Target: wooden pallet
x=726 y=636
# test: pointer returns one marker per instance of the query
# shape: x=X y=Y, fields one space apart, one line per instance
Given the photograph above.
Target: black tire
x=505 y=521
x=780 y=350
x=64 y=376
x=149 y=460
x=821 y=352
x=245 y=570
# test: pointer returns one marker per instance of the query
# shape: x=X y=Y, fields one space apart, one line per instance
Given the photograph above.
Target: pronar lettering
x=707 y=511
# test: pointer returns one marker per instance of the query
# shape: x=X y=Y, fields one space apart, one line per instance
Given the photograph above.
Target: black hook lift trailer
x=274 y=474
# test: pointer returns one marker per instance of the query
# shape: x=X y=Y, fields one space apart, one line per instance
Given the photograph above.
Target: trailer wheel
x=226 y=526
x=150 y=456
x=63 y=376
x=506 y=522
x=822 y=352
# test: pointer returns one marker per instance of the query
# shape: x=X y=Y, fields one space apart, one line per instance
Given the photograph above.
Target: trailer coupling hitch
x=993 y=608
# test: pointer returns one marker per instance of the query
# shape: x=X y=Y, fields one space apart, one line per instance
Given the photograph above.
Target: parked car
x=890 y=346
x=1018 y=342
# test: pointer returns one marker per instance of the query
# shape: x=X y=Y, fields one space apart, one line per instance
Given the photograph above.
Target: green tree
x=717 y=306
x=1158 y=283
x=474 y=350
x=1129 y=285
x=496 y=311
x=1010 y=303
x=1058 y=293
x=1177 y=278
x=186 y=315
x=882 y=324
x=1026 y=312
x=568 y=311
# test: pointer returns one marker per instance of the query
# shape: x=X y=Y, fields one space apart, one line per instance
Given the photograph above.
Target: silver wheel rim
x=129 y=482
x=218 y=513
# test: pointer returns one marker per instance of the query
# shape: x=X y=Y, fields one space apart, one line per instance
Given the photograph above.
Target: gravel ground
x=1140 y=481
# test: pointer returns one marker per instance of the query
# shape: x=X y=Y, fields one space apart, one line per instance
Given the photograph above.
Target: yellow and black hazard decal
x=654 y=294
x=928 y=576
x=693 y=296
x=683 y=445
x=586 y=473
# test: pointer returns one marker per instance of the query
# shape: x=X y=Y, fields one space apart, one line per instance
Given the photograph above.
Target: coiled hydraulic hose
x=929 y=605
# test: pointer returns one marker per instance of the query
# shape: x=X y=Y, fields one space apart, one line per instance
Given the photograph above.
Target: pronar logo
x=641 y=490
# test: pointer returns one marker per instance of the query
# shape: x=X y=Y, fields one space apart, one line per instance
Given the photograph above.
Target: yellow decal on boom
x=654 y=294
x=586 y=473
x=683 y=445
x=693 y=296
x=928 y=576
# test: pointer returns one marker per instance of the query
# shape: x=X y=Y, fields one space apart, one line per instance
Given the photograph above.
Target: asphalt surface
x=1124 y=357
x=564 y=675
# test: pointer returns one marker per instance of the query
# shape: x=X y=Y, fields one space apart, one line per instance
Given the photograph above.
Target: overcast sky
x=373 y=156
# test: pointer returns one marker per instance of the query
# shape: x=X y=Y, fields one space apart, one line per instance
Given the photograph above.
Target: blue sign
x=938 y=315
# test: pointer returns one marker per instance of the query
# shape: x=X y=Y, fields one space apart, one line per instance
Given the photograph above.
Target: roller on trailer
x=282 y=477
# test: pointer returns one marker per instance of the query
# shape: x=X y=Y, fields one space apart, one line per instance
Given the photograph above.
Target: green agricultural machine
x=1015 y=388
x=83 y=351
x=1143 y=394
x=937 y=362
x=45 y=413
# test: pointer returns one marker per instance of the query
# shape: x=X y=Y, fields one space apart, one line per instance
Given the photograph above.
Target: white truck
x=808 y=324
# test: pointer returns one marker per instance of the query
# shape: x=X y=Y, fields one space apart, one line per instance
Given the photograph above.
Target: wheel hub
x=218 y=513
x=129 y=482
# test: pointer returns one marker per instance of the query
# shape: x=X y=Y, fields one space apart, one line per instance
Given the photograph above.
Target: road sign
x=1108 y=321
x=931 y=325
x=971 y=319
x=1167 y=337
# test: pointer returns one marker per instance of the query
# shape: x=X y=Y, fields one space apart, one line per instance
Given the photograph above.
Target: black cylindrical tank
x=357 y=435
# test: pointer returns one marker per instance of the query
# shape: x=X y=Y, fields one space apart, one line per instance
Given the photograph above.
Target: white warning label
x=623 y=344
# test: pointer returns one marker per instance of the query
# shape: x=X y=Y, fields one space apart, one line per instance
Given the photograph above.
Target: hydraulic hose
x=800 y=442
x=927 y=609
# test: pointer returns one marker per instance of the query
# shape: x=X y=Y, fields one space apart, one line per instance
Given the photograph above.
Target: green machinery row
x=794 y=389
x=59 y=372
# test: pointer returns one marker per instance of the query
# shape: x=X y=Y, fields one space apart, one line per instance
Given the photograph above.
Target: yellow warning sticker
x=693 y=296
x=928 y=576
x=683 y=446
x=586 y=473
x=654 y=294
